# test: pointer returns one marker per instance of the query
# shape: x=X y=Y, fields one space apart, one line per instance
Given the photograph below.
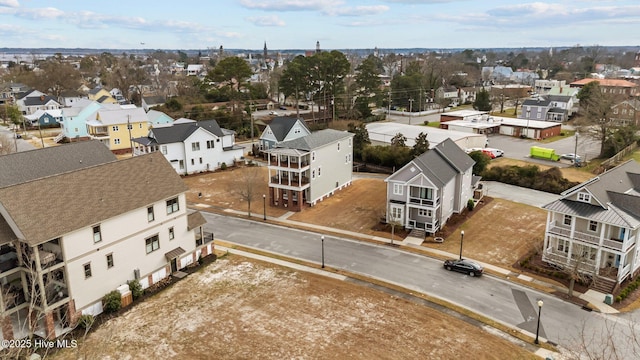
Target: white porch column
x=546 y=238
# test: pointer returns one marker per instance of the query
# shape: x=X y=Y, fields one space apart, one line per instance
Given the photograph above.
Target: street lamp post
x=264 y=207
x=540 y=303
x=461 y=239
x=322 y=240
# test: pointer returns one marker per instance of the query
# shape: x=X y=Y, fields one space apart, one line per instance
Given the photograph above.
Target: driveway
x=518 y=194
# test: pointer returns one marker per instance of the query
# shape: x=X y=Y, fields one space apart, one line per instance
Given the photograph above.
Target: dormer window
x=584 y=197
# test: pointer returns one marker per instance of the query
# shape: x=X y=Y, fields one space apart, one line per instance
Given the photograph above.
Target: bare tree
x=249 y=183
x=617 y=339
x=6 y=145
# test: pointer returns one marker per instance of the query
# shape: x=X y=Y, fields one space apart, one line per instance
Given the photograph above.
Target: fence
x=612 y=161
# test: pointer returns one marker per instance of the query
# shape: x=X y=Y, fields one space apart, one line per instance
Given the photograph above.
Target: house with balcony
x=595 y=227
x=282 y=128
x=116 y=125
x=427 y=191
x=191 y=146
x=306 y=170
x=55 y=268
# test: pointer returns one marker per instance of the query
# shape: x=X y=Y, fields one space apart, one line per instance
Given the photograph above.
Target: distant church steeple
x=317 y=46
x=264 y=52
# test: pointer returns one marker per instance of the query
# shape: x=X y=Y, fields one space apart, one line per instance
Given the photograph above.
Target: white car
x=495 y=152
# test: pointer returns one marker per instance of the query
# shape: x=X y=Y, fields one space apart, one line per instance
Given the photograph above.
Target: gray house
x=595 y=227
x=428 y=190
x=308 y=169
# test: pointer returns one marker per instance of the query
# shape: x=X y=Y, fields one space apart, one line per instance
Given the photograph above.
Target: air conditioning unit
x=136 y=274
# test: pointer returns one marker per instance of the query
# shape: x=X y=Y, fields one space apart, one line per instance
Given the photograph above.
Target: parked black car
x=464 y=266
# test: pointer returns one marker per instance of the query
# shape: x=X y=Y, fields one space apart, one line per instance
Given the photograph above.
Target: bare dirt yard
x=236 y=308
x=497 y=232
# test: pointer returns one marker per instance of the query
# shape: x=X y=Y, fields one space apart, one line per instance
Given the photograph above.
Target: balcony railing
x=295 y=181
x=560 y=259
x=286 y=164
x=424 y=202
x=614 y=244
x=205 y=239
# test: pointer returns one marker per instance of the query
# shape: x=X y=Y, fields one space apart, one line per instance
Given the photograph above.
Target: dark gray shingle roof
x=281 y=126
x=180 y=132
x=443 y=162
x=25 y=166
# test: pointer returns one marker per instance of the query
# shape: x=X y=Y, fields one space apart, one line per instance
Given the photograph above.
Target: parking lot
x=516 y=148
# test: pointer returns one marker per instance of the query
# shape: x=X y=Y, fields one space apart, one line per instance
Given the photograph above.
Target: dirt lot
x=243 y=309
x=498 y=232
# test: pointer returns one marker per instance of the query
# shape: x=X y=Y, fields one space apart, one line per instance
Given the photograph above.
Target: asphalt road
x=21 y=143
x=508 y=303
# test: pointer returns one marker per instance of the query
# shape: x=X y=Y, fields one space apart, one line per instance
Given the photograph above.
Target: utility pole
x=129 y=128
x=389 y=106
x=410 y=109
x=575 y=151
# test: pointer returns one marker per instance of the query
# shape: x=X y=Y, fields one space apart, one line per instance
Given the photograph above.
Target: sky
x=336 y=24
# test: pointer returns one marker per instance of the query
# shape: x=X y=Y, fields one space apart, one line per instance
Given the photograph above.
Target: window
x=164 y=149
x=116 y=141
x=140 y=125
x=313 y=156
x=567 y=219
x=172 y=234
x=87 y=270
x=313 y=174
x=296 y=130
x=115 y=128
x=349 y=141
x=200 y=160
x=424 y=212
x=172 y=206
x=109 y=261
x=195 y=146
x=396 y=213
x=563 y=246
x=150 y=214
x=338 y=146
x=193 y=162
x=319 y=169
x=210 y=144
x=584 y=197
x=346 y=159
x=97 y=235
x=593 y=225
x=152 y=244
x=398 y=189
x=129 y=126
x=181 y=162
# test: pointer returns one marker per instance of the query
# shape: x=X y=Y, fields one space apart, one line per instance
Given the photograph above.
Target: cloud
x=357 y=10
x=9 y=3
x=266 y=20
x=39 y=13
x=423 y=2
x=290 y=5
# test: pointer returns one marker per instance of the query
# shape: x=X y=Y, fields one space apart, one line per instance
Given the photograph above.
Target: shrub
x=112 y=301
x=223 y=166
x=136 y=289
x=86 y=321
x=470 y=204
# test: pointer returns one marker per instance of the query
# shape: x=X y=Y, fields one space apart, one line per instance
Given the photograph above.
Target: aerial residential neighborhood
x=307 y=201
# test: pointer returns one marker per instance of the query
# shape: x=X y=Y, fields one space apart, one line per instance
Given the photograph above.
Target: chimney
x=560 y=89
x=41 y=97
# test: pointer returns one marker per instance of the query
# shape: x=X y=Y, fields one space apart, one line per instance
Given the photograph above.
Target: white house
x=190 y=146
x=58 y=265
x=306 y=170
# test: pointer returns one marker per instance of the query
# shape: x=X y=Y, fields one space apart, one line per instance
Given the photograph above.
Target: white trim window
x=150 y=214
x=584 y=197
x=398 y=189
x=567 y=220
x=87 y=270
x=97 y=234
x=396 y=213
x=109 y=261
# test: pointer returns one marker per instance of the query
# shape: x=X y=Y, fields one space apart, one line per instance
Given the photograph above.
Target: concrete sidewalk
x=595 y=299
